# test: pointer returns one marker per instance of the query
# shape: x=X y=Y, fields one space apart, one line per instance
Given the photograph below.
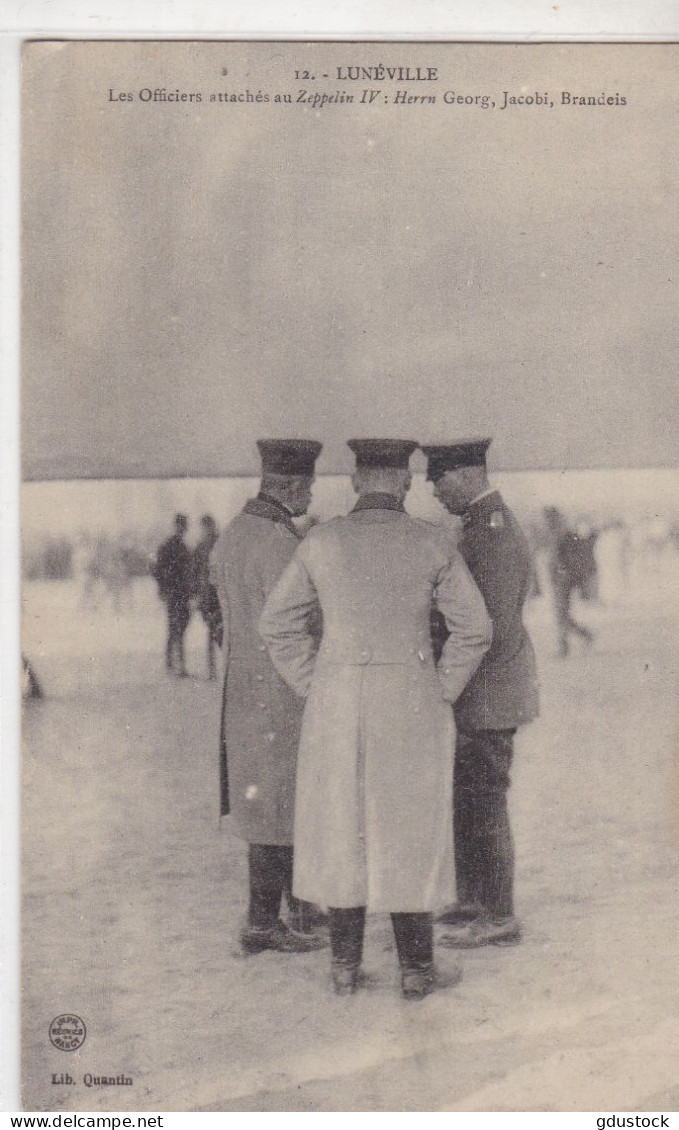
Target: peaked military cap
x=289 y=456
x=382 y=452
x=442 y=457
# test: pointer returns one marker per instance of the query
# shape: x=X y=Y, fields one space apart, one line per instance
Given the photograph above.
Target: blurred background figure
x=205 y=593
x=612 y=554
x=118 y=579
x=583 y=550
x=652 y=549
x=572 y=570
x=106 y=569
x=173 y=571
x=30 y=685
x=92 y=562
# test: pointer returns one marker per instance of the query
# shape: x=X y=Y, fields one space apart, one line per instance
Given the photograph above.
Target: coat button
x=262 y=706
x=261 y=647
x=260 y=678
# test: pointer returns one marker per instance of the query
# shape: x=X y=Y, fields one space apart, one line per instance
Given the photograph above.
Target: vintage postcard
x=443 y=243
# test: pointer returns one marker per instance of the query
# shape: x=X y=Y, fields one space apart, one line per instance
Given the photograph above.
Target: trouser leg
x=414 y=936
x=182 y=625
x=572 y=624
x=170 y=638
x=465 y=819
x=270 y=882
x=179 y=619
x=270 y=873
x=565 y=624
x=494 y=843
x=347 y=927
x=561 y=602
x=303 y=915
x=175 y=637
x=211 y=648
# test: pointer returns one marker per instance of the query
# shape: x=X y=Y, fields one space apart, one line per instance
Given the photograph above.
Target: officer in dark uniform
x=501 y=696
x=173 y=572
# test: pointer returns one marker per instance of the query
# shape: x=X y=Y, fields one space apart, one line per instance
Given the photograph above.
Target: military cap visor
x=382 y=452
x=443 y=457
x=289 y=456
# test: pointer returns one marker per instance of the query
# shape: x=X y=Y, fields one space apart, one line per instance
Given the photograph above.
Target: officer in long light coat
x=373 y=824
x=261 y=716
x=501 y=696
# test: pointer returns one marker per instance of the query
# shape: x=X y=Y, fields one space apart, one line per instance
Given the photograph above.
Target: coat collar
x=264 y=506
x=482 y=508
x=378 y=500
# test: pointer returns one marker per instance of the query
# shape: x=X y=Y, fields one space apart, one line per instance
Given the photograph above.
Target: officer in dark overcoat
x=261 y=715
x=501 y=696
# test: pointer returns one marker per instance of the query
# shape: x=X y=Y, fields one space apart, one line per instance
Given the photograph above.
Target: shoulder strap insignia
x=497 y=520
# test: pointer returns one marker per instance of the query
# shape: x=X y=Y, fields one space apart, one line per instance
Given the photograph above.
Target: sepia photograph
x=349 y=576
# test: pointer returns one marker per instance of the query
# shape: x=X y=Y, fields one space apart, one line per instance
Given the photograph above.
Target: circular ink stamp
x=67 y=1032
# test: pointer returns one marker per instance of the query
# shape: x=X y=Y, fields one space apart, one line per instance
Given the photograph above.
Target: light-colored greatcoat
x=261 y=715
x=373 y=822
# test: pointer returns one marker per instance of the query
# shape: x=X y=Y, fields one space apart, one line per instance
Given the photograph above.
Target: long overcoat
x=261 y=715
x=503 y=693
x=373 y=821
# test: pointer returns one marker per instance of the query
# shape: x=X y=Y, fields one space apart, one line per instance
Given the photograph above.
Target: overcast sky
x=197 y=275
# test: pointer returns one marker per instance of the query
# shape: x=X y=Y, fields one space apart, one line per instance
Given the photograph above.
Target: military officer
x=261 y=716
x=373 y=822
x=501 y=696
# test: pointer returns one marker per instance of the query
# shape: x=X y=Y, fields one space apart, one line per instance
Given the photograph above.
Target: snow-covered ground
x=133 y=894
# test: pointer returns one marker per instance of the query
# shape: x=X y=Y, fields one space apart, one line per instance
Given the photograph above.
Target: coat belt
x=367 y=655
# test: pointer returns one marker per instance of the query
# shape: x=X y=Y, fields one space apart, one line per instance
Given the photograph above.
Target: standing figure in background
x=373 y=820
x=572 y=569
x=261 y=716
x=205 y=592
x=173 y=574
x=30 y=685
x=611 y=553
x=501 y=696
